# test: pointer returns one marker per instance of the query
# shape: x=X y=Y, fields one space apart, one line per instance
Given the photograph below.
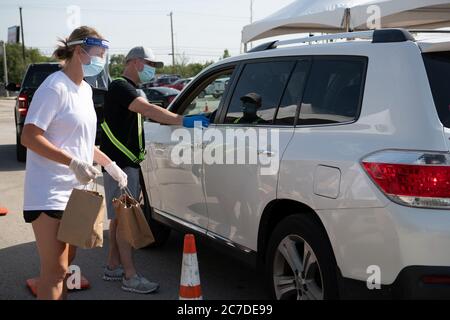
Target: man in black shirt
x=123 y=141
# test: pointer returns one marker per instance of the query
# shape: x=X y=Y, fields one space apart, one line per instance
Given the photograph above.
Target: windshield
x=438 y=70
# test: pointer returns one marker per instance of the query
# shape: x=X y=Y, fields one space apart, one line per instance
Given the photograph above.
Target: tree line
x=17 y=66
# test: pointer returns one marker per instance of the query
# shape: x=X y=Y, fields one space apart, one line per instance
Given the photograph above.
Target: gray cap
x=143 y=53
x=252 y=97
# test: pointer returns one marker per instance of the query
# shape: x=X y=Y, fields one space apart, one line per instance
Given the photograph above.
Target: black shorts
x=31 y=215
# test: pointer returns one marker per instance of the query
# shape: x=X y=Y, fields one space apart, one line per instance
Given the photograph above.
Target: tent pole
x=347 y=16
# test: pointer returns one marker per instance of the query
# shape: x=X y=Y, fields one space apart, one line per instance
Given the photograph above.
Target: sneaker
x=113 y=275
x=139 y=284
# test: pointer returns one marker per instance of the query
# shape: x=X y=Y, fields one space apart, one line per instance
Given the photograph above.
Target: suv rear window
x=438 y=70
x=36 y=74
x=334 y=91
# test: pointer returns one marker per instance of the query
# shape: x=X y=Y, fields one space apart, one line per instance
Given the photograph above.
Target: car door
x=238 y=190
x=173 y=165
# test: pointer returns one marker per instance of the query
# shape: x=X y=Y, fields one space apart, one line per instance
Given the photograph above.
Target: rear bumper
x=408 y=285
x=393 y=239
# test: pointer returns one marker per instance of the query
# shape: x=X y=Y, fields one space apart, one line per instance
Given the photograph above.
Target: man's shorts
x=112 y=189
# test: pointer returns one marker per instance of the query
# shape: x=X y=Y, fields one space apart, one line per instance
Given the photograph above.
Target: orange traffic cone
x=190 y=288
x=32 y=286
x=3 y=211
x=206 y=109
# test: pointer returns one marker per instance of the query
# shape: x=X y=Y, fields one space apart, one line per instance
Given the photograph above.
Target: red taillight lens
x=436 y=280
x=412 y=178
x=23 y=104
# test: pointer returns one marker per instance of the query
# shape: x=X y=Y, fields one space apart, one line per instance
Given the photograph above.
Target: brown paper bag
x=82 y=221
x=132 y=224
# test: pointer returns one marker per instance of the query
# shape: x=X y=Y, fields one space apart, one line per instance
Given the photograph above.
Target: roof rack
x=428 y=31
x=377 y=36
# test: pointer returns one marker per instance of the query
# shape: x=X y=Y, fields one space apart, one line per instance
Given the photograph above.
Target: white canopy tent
x=304 y=16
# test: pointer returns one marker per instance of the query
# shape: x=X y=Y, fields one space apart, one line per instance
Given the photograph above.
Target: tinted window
x=333 y=92
x=438 y=69
x=293 y=94
x=266 y=79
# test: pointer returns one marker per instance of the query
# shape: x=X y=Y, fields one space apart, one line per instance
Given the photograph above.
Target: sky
x=202 y=28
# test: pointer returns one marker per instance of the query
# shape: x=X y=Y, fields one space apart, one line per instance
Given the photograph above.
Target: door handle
x=205 y=143
x=266 y=153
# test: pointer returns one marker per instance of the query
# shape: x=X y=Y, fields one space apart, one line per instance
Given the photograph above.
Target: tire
x=289 y=239
x=21 y=151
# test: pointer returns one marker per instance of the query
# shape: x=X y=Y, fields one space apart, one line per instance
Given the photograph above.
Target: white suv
x=359 y=203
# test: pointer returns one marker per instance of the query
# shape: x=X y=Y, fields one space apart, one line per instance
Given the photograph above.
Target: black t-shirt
x=122 y=122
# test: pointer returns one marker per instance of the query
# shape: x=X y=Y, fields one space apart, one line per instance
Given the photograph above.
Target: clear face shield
x=94 y=61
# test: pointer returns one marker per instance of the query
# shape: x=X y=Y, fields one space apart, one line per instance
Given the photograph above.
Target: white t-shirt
x=65 y=111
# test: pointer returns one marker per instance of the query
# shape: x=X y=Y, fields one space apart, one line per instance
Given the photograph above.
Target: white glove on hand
x=117 y=174
x=84 y=172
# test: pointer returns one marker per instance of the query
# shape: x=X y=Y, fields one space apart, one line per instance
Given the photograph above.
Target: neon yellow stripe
x=117 y=143
x=139 y=119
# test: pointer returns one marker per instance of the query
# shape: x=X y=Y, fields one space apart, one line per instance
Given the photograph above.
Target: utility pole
x=23 y=39
x=251 y=19
x=251 y=11
x=5 y=68
x=173 y=46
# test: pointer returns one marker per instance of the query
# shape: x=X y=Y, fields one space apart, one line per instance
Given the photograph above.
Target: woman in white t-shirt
x=59 y=133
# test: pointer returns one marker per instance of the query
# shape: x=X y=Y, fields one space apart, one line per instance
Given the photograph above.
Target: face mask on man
x=147 y=74
x=249 y=108
x=94 y=67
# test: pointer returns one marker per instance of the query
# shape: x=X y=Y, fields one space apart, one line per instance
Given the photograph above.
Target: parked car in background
x=36 y=74
x=216 y=88
x=165 y=80
x=180 y=84
x=161 y=96
x=358 y=136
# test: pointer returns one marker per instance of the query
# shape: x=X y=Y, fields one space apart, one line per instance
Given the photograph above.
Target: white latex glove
x=84 y=172
x=117 y=174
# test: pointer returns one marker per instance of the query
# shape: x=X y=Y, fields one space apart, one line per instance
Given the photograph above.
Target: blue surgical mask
x=249 y=108
x=147 y=74
x=95 y=66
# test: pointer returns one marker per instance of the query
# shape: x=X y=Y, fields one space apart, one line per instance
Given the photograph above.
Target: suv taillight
x=22 y=104
x=412 y=178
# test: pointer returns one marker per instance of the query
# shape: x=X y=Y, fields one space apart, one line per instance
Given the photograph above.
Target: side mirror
x=13 y=87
